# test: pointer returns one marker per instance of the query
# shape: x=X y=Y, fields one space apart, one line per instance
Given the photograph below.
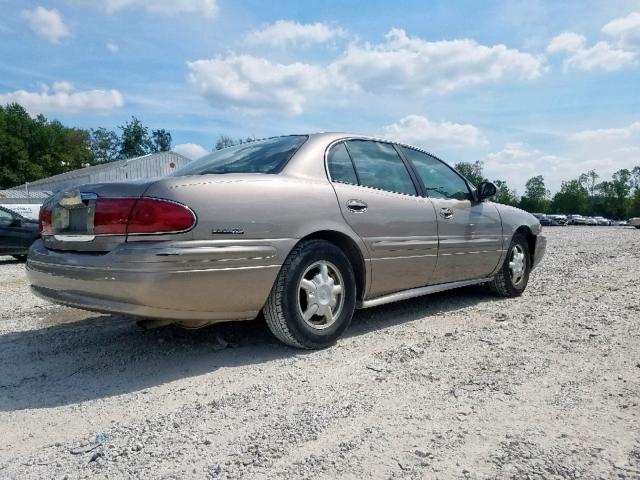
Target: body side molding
x=417 y=292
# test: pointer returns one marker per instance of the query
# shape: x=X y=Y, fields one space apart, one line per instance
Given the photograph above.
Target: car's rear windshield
x=262 y=156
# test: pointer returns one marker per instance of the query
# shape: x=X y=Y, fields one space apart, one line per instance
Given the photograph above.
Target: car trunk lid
x=72 y=213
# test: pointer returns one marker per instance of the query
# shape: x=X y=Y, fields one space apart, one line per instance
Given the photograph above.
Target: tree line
x=589 y=195
x=35 y=148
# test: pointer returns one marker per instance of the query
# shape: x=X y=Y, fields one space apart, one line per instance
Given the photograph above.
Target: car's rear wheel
x=513 y=276
x=312 y=301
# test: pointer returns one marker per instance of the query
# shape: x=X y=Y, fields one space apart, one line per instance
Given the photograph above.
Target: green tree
x=472 y=171
x=105 y=145
x=573 y=197
x=635 y=178
x=161 y=140
x=33 y=148
x=589 y=181
x=134 y=140
x=536 y=195
x=633 y=208
x=613 y=196
x=505 y=195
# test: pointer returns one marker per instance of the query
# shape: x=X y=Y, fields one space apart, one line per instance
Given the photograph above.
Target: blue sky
x=528 y=87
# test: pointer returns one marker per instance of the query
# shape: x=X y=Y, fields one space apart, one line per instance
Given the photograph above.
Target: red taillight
x=44 y=220
x=112 y=215
x=151 y=215
x=120 y=216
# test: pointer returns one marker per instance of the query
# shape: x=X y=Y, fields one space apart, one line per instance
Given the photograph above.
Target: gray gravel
x=455 y=385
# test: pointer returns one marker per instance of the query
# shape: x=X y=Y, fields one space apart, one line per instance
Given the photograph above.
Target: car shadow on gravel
x=108 y=355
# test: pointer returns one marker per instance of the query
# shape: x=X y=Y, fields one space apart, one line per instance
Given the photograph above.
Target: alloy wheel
x=321 y=295
x=517 y=264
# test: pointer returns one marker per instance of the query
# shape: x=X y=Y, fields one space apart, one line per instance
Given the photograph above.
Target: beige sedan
x=305 y=228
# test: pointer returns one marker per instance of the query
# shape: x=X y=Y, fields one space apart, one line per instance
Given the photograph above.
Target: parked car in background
x=560 y=220
x=620 y=223
x=603 y=221
x=544 y=220
x=590 y=221
x=576 y=220
x=305 y=228
x=635 y=222
x=17 y=233
x=27 y=210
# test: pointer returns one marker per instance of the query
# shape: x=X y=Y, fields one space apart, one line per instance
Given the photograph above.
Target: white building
x=153 y=165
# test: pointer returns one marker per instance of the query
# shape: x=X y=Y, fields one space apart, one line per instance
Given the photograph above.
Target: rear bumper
x=192 y=280
x=540 y=250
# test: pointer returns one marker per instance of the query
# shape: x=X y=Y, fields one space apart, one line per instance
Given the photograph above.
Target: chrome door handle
x=357 y=206
x=446 y=213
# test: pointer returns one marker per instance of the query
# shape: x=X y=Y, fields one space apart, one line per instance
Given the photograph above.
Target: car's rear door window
x=440 y=180
x=378 y=165
x=340 y=165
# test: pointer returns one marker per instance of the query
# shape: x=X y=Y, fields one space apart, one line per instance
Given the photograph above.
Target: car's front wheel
x=312 y=301
x=20 y=258
x=513 y=276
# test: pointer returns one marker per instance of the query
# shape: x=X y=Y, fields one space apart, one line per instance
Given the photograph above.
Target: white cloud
x=517 y=162
x=607 y=135
x=256 y=85
x=284 y=32
x=626 y=30
x=399 y=65
x=190 y=150
x=48 y=24
x=62 y=97
x=411 y=64
x=604 y=150
x=566 y=42
x=419 y=130
x=113 y=47
x=601 y=56
x=207 y=8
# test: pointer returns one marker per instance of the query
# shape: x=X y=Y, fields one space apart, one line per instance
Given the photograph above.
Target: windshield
x=262 y=156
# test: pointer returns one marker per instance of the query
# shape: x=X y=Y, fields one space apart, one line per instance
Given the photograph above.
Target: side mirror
x=486 y=190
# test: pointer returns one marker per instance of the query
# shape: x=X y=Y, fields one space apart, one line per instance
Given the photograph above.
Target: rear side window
x=340 y=165
x=439 y=180
x=379 y=166
x=262 y=156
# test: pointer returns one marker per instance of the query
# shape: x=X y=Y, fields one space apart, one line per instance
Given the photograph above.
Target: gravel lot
x=455 y=385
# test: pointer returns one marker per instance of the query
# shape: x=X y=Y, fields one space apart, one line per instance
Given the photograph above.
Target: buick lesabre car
x=305 y=228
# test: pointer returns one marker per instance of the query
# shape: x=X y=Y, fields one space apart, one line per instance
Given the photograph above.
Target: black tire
x=20 y=258
x=283 y=310
x=638 y=226
x=503 y=283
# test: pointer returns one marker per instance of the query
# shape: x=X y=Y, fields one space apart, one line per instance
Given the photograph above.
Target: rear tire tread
x=273 y=310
